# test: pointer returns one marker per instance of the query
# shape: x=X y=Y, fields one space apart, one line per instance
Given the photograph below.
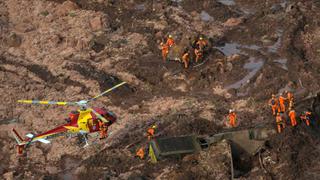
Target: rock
x=233 y=22
x=8 y=176
x=52 y=169
x=159 y=35
x=14 y=40
x=80 y=170
x=96 y=23
x=229 y=66
x=234 y=57
x=66 y=8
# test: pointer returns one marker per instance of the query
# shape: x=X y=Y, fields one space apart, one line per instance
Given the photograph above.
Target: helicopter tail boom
x=18 y=138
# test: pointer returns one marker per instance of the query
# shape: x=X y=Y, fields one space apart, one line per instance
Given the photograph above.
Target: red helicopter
x=80 y=123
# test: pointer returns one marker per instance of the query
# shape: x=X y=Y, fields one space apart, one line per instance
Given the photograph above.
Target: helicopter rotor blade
x=47 y=102
x=99 y=115
x=107 y=91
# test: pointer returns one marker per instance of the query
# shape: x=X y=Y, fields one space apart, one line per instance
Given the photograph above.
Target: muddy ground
x=72 y=50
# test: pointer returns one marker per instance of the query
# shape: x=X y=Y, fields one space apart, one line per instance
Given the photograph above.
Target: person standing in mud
x=290 y=99
x=232 y=118
x=280 y=122
x=186 y=58
x=151 y=132
x=282 y=100
x=165 y=51
x=292 y=116
x=103 y=130
x=306 y=117
x=198 y=53
x=201 y=43
x=170 y=42
x=273 y=102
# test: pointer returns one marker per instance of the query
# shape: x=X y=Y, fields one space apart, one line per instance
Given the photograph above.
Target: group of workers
x=198 y=46
x=285 y=104
x=150 y=135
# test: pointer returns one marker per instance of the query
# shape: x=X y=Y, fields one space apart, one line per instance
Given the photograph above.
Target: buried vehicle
x=243 y=145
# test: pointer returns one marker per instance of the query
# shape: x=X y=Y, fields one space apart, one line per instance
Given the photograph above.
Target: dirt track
x=62 y=50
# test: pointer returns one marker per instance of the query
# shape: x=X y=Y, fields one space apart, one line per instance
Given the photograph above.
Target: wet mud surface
x=256 y=49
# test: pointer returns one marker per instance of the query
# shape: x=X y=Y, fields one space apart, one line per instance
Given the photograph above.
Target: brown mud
x=72 y=50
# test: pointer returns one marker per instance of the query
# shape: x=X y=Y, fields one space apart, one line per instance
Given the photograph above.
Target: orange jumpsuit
x=274 y=105
x=232 y=119
x=282 y=107
x=198 y=54
x=306 y=117
x=140 y=153
x=280 y=123
x=185 y=59
x=170 y=42
x=201 y=44
x=290 y=100
x=150 y=133
x=103 y=130
x=290 y=96
x=292 y=115
x=165 y=51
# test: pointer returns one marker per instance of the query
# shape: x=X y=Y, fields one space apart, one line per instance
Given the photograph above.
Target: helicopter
x=80 y=123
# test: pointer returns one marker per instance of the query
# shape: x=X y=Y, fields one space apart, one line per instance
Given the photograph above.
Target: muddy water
x=253 y=66
x=140 y=7
x=205 y=16
x=227 y=2
x=283 y=63
x=235 y=48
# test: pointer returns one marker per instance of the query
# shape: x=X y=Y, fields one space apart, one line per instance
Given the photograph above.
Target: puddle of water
x=140 y=7
x=230 y=49
x=205 y=16
x=283 y=63
x=235 y=48
x=227 y=2
x=254 y=67
x=178 y=1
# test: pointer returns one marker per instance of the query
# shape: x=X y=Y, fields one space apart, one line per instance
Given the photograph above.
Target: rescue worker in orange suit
x=292 y=116
x=282 y=107
x=170 y=41
x=273 y=102
x=290 y=99
x=165 y=51
x=280 y=122
x=140 y=153
x=201 y=43
x=291 y=103
x=232 y=118
x=186 y=59
x=151 y=132
x=103 y=130
x=198 y=53
x=19 y=150
x=306 y=117
x=289 y=96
